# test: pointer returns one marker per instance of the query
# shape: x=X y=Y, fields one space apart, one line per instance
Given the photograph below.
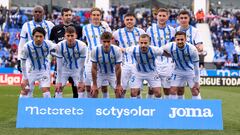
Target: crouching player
x=106 y=66
x=145 y=68
x=37 y=51
x=71 y=56
x=185 y=56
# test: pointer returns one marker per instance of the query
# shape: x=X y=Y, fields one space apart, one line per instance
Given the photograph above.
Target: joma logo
x=190 y=112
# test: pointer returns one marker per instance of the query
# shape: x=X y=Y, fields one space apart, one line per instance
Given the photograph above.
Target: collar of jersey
x=72 y=46
x=95 y=26
x=161 y=28
x=184 y=30
x=37 y=45
x=38 y=22
x=140 y=50
x=129 y=30
x=183 y=47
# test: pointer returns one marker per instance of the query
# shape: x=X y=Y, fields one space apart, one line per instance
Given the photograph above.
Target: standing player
x=91 y=34
x=127 y=37
x=37 y=51
x=192 y=36
x=26 y=32
x=161 y=34
x=145 y=67
x=57 y=35
x=185 y=56
x=70 y=61
x=106 y=66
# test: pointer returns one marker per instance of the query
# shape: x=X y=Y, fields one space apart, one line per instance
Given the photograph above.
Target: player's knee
x=24 y=92
x=180 y=91
x=134 y=92
x=195 y=92
x=166 y=91
x=173 y=91
x=150 y=91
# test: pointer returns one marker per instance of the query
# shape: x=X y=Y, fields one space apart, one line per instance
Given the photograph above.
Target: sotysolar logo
x=190 y=112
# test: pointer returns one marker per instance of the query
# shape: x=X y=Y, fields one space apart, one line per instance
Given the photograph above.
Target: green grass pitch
x=230 y=97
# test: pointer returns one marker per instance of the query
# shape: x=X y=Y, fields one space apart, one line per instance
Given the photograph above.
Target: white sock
x=81 y=94
x=133 y=97
x=166 y=96
x=105 y=95
x=180 y=97
x=30 y=94
x=23 y=96
x=139 y=96
x=58 y=94
x=158 y=97
x=46 y=95
x=89 y=95
x=198 y=97
x=173 y=97
x=149 y=96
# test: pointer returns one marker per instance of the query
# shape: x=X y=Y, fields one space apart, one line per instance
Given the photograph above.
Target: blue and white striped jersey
x=92 y=34
x=127 y=38
x=106 y=61
x=38 y=55
x=71 y=56
x=145 y=62
x=192 y=35
x=26 y=32
x=160 y=37
x=184 y=58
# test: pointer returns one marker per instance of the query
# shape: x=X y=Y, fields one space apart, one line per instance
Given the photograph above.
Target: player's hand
x=94 y=91
x=19 y=66
x=81 y=86
x=119 y=90
x=24 y=84
x=199 y=48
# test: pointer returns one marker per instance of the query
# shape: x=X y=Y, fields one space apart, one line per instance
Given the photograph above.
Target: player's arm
x=195 y=60
x=23 y=60
x=82 y=61
x=115 y=38
x=59 y=64
x=118 y=66
x=94 y=59
x=198 y=42
x=118 y=71
x=23 y=40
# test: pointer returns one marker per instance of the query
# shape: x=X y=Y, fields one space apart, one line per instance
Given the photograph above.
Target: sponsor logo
x=10 y=79
x=190 y=112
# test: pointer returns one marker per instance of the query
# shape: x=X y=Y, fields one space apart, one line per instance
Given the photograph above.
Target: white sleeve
x=194 y=56
x=167 y=47
x=81 y=62
x=106 y=26
x=84 y=37
x=118 y=56
x=157 y=51
x=129 y=50
x=23 y=40
x=24 y=57
x=93 y=55
x=59 y=70
x=197 y=39
x=148 y=31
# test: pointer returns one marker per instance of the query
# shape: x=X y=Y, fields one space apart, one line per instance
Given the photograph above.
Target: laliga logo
x=5 y=79
x=190 y=112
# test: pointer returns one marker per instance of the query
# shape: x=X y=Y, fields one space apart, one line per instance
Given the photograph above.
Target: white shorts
x=88 y=76
x=180 y=80
x=43 y=77
x=152 y=78
x=102 y=79
x=75 y=74
x=126 y=75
